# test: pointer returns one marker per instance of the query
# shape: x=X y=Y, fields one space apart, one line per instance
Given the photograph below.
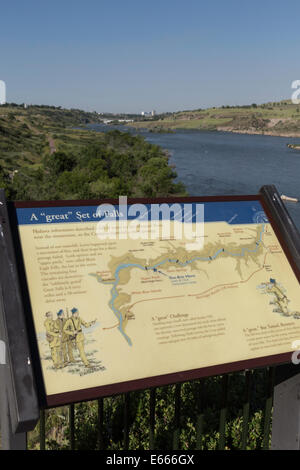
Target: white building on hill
x=146 y=113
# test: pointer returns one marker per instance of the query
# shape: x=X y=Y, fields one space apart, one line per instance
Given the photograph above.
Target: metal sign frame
x=18 y=389
x=15 y=286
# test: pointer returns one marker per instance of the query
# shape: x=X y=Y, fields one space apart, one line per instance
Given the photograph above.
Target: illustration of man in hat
x=73 y=328
x=280 y=300
x=66 y=347
x=53 y=338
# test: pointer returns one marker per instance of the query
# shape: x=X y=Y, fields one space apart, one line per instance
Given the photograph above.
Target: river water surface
x=222 y=163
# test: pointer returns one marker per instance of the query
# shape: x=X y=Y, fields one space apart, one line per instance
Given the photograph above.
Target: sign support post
x=286 y=414
x=19 y=407
x=286 y=403
x=9 y=440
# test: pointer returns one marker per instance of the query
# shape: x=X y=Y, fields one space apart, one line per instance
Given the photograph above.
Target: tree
x=59 y=162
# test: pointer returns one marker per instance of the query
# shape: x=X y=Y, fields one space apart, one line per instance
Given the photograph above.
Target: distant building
x=2 y=92
x=148 y=114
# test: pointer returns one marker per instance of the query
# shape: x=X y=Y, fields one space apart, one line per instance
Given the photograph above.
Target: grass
x=25 y=133
x=282 y=118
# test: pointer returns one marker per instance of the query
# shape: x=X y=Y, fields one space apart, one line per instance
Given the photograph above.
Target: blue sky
x=133 y=56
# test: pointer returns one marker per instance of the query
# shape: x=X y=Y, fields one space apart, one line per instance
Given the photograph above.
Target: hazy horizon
x=133 y=113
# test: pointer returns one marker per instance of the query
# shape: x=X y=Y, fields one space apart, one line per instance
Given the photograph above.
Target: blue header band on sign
x=232 y=212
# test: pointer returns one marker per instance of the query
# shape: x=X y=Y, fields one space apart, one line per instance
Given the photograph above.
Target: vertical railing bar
x=126 y=420
x=72 y=426
x=268 y=409
x=200 y=415
x=176 y=433
x=246 y=408
x=152 y=418
x=42 y=430
x=100 y=424
x=223 y=412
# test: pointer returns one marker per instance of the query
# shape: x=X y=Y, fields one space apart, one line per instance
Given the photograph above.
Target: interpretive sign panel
x=129 y=296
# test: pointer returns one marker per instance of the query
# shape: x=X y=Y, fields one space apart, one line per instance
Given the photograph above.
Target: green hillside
x=43 y=157
x=278 y=118
x=25 y=133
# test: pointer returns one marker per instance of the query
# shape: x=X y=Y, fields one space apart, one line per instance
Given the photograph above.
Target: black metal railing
x=239 y=417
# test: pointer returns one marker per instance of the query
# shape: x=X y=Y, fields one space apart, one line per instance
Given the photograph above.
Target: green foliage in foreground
x=118 y=164
x=200 y=404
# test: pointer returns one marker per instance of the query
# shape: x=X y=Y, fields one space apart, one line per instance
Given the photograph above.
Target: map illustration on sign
x=183 y=261
x=111 y=310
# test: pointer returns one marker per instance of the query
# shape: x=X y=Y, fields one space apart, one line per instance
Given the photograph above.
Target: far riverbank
x=156 y=128
x=274 y=119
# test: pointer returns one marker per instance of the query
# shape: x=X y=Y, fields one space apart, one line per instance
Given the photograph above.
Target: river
x=221 y=163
